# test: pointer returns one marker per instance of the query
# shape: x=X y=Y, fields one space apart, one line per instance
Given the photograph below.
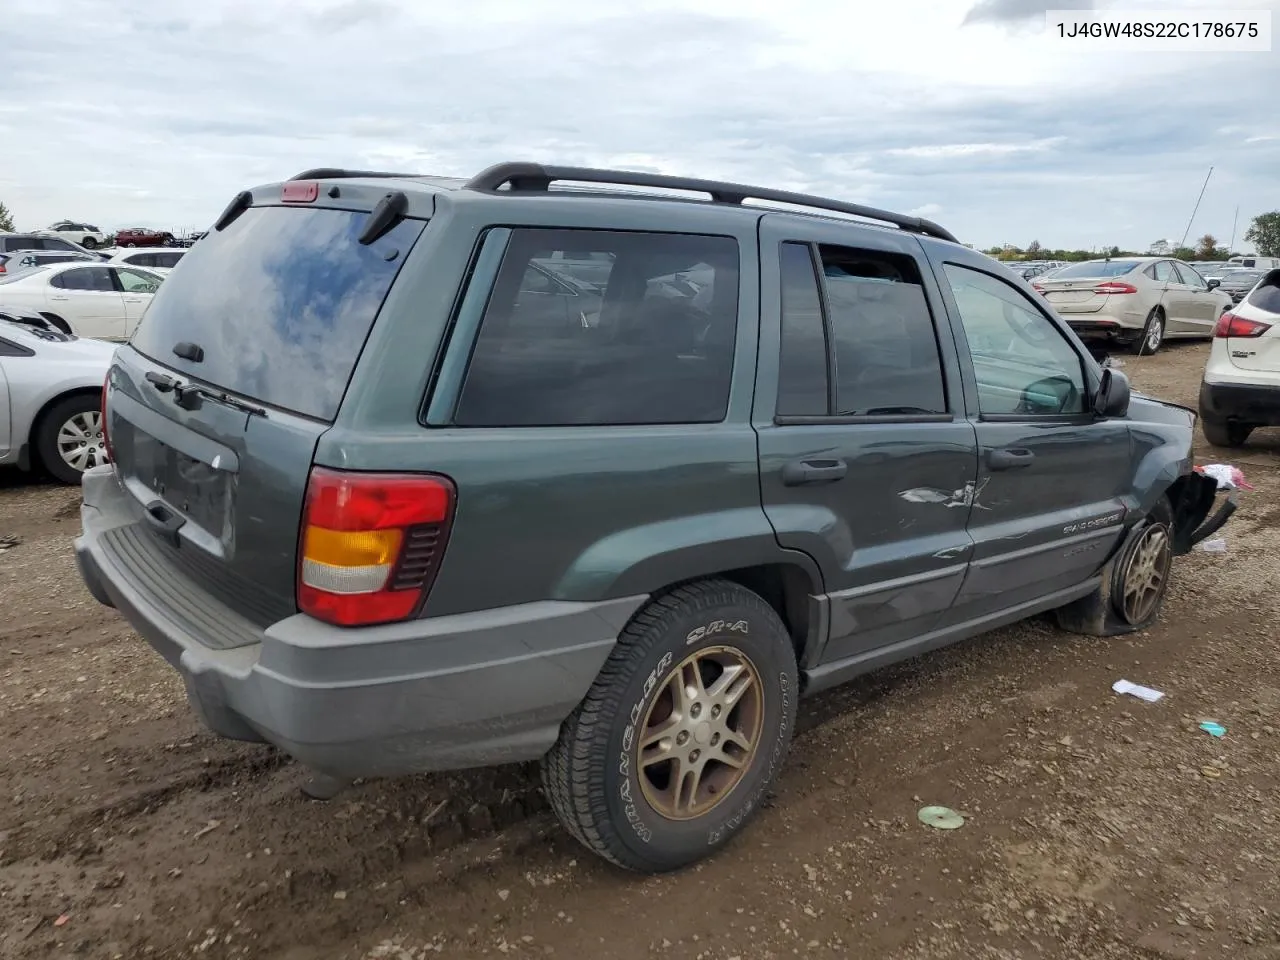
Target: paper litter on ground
x=1137 y=690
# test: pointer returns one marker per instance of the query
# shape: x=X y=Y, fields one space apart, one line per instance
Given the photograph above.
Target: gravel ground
x=1099 y=826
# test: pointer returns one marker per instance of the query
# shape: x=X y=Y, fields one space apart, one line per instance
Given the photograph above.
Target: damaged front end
x=1193 y=496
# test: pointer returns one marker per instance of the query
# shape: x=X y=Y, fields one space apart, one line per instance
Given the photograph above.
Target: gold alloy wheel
x=700 y=732
x=1145 y=573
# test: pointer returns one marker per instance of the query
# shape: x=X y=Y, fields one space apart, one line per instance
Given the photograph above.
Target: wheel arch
x=37 y=422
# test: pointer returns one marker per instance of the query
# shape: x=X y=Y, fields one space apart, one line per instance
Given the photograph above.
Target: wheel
x=89 y=243
x=683 y=731
x=1134 y=581
x=1226 y=434
x=69 y=437
x=1152 y=334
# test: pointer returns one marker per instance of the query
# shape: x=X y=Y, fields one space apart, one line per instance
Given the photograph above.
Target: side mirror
x=1112 y=398
x=1213 y=284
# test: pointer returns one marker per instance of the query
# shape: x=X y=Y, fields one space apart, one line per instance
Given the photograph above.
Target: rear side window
x=649 y=338
x=141 y=259
x=1266 y=295
x=802 y=364
x=97 y=279
x=282 y=301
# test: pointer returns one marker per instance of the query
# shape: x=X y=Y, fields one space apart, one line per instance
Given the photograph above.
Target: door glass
x=135 y=281
x=1188 y=276
x=802 y=365
x=95 y=279
x=886 y=350
x=651 y=343
x=1163 y=272
x=1023 y=364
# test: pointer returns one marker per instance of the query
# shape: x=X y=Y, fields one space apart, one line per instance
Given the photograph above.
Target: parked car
x=1241 y=387
x=156 y=259
x=23 y=259
x=1252 y=262
x=383 y=506
x=87 y=299
x=84 y=234
x=12 y=242
x=143 y=237
x=50 y=397
x=1236 y=283
x=1135 y=302
x=189 y=240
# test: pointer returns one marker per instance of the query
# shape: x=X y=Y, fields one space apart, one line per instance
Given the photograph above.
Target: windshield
x=1091 y=269
x=281 y=301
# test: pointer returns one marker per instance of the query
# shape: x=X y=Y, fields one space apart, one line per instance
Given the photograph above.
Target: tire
x=1152 y=335
x=641 y=819
x=1110 y=611
x=79 y=411
x=1226 y=434
x=89 y=243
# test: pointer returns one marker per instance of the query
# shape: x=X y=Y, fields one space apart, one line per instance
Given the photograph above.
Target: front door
x=137 y=287
x=867 y=463
x=87 y=299
x=1048 y=506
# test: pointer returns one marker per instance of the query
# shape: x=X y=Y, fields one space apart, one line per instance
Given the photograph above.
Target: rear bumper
x=469 y=690
x=1104 y=327
x=1244 y=403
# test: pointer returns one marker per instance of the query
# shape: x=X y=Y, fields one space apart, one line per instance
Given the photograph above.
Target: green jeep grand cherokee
x=414 y=474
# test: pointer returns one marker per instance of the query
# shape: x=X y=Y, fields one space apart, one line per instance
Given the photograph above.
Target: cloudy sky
x=155 y=113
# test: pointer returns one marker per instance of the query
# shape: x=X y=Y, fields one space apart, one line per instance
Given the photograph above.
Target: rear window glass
x=281 y=301
x=1096 y=268
x=1266 y=296
x=648 y=339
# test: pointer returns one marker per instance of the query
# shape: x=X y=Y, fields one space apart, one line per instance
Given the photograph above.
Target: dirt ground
x=1099 y=826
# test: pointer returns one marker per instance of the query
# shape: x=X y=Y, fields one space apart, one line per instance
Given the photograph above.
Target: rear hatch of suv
x=239 y=365
x=1252 y=329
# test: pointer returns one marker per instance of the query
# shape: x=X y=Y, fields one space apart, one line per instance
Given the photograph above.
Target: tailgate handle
x=164 y=521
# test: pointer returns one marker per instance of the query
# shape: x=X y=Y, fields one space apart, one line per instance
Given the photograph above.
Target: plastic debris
x=1213 y=728
x=941 y=818
x=1137 y=690
x=62 y=921
x=1216 y=545
x=1213 y=773
x=1228 y=477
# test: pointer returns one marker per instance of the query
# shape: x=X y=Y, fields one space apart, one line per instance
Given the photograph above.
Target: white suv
x=87 y=236
x=1241 y=387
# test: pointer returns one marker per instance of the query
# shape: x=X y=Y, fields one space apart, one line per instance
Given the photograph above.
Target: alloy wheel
x=1145 y=574
x=700 y=733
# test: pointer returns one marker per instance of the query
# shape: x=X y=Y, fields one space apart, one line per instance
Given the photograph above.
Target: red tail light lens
x=102 y=416
x=371 y=544
x=1115 y=287
x=1230 y=325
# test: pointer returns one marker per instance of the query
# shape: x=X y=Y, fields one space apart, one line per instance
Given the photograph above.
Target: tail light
x=1231 y=325
x=102 y=416
x=371 y=544
x=1115 y=287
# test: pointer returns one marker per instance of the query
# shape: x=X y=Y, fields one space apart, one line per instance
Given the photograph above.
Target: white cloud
x=172 y=109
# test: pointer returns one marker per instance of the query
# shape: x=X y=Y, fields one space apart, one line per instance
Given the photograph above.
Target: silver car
x=1135 y=302
x=50 y=396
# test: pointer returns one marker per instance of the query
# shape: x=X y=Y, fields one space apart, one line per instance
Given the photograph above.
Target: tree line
x=1263 y=233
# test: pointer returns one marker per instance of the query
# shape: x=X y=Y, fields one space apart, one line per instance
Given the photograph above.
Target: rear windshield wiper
x=190 y=396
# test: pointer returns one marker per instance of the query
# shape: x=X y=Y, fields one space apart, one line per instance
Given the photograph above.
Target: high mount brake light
x=371 y=544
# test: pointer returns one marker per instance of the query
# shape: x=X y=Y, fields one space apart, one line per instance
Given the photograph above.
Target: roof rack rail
x=337 y=173
x=522 y=176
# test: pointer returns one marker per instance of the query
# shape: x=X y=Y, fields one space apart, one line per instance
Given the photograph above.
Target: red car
x=143 y=237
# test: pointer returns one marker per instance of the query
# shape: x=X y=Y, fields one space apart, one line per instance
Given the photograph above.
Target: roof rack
x=522 y=176
x=337 y=173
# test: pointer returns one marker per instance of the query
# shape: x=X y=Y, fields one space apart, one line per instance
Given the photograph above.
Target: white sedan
x=88 y=299
x=157 y=259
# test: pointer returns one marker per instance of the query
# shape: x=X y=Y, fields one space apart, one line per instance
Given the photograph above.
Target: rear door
x=281 y=302
x=1048 y=503
x=87 y=298
x=137 y=287
x=867 y=463
x=1169 y=292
